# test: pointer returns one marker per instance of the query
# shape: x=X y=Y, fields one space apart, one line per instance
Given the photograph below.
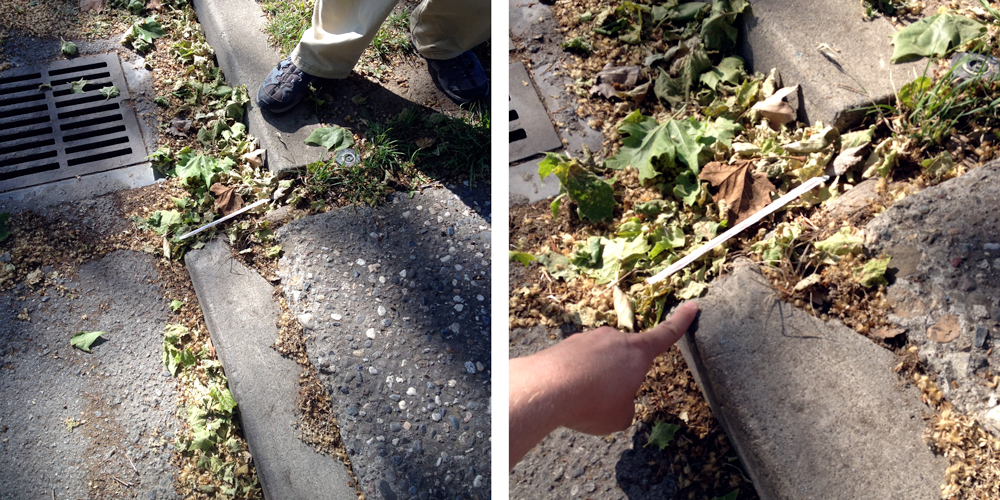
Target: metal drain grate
x=531 y=130
x=54 y=134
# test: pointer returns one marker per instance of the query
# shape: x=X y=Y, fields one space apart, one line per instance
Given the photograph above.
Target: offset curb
x=235 y=29
x=241 y=318
x=785 y=34
x=813 y=409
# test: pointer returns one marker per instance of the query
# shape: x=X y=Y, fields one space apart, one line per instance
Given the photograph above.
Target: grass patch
x=390 y=44
x=928 y=111
x=399 y=154
x=286 y=22
x=442 y=146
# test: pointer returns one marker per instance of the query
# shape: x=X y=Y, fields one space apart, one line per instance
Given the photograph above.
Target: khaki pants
x=342 y=29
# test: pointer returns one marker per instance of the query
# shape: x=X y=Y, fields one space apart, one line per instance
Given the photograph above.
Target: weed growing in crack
x=286 y=22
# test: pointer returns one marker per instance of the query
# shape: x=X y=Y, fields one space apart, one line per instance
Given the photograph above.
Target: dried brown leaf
x=614 y=78
x=775 y=109
x=256 y=157
x=179 y=127
x=154 y=5
x=623 y=307
x=227 y=200
x=945 y=330
x=745 y=192
x=888 y=333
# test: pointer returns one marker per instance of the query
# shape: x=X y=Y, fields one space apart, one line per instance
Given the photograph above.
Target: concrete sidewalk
x=811 y=407
x=236 y=30
x=241 y=316
x=786 y=34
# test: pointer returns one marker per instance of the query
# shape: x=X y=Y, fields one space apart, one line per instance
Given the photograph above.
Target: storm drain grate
x=531 y=130
x=53 y=134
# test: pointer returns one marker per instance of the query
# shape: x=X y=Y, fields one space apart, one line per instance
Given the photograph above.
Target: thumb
x=661 y=337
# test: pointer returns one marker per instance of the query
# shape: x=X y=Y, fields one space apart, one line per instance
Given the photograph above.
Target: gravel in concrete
x=569 y=464
x=945 y=249
x=121 y=391
x=811 y=407
x=395 y=306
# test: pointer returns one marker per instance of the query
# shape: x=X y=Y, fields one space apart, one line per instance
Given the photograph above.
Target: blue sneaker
x=461 y=78
x=284 y=87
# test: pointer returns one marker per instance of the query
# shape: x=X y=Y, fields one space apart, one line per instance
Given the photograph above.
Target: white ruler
x=753 y=219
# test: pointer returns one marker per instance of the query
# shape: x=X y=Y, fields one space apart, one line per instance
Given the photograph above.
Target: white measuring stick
x=224 y=219
x=755 y=218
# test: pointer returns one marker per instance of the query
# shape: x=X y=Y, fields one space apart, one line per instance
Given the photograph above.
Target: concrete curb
x=811 y=407
x=785 y=34
x=235 y=29
x=241 y=317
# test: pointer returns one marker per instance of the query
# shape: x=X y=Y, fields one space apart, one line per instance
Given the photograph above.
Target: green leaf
x=594 y=197
x=331 y=138
x=646 y=141
x=192 y=168
x=77 y=86
x=136 y=6
x=687 y=188
x=589 y=254
x=578 y=44
x=523 y=258
x=685 y=134
x=677 y=89
x=728 y=70
x=558 y=265
x=653 y=208
x=873 y=272
x=109 y=92
x=730 y=496
x=723 y=130
x=273 y=252
x=68 y=48
x=556 y=203
x=772 y=249
x=83 y=340
x=934 y=167
x=223 y=397
x=934 y=36
x=686 y=12
x=718 y=32
x=662 y=435
x=840 y=244
x=548 y=165
x=4 y=226
x=162 y=221
x=201 y=439
x=911 y=92
x=176 y=305
x=693 y=289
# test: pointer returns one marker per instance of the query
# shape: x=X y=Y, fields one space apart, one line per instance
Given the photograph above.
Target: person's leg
x=445 y=29
x=443 y=32
x=340 y=31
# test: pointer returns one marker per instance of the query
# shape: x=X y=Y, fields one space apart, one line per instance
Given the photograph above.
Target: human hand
x=604 y=368
x=587 y=382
